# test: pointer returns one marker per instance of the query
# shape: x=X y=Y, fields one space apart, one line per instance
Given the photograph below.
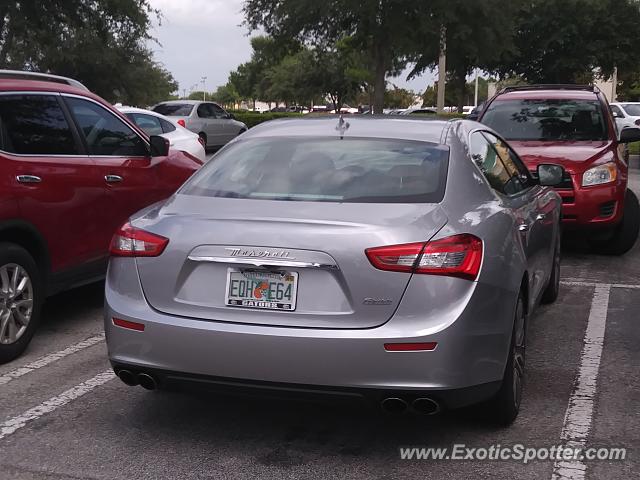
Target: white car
x=627 y=114
x=179 y=137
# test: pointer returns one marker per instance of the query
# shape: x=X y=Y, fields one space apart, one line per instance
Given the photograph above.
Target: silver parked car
x=210 y=121
x=394 y=259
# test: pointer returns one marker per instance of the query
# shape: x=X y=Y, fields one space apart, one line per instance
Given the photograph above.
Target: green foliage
x=381 y=29
x=102 y=43
x=563 y=41
x=634 y=149
x=398 y=98
x=251 y=119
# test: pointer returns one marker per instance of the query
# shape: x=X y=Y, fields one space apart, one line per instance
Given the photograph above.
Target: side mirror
x=159 y=146
x=630 y=135
x=550 y=175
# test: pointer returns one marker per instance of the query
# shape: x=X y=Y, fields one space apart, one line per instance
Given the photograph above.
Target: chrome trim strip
x=263 y=262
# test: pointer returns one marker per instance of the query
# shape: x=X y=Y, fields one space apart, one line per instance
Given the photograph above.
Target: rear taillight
x=134 y=242
x=638 y=122
x=455 y=256
x=201 y=140
x=182 y=123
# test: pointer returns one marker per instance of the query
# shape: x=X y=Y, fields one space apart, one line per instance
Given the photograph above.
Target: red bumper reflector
x=410 y=347
x=138 y=327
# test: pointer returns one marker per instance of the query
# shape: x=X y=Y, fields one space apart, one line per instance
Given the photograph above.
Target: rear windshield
x=326 y=170
x=547 y=119
x=632 y=109
x=174 y=109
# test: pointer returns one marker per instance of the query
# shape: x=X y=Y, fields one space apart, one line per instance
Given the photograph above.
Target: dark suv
x=73 y=170
x=573 y=126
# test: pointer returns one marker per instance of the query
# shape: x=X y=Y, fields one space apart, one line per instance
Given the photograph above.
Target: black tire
x=624 y=236
x=203 y=136
x=505 y=406
x=552 y=291
x=12 y=254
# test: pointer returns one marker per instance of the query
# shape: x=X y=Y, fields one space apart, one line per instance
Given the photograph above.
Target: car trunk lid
x=323 y=243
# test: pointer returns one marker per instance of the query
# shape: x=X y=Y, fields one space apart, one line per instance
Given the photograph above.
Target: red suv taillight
x=455 y=256
x=182 y=123
x=129 y=241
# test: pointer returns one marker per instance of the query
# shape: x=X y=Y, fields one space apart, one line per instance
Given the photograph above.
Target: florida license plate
x=263 y=290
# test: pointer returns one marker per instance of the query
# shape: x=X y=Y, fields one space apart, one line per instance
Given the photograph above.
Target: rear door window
x=174 y=109
x=148 y=123
x=35 y=125
x=326 y=170
x=167 y=127
x=104 y=133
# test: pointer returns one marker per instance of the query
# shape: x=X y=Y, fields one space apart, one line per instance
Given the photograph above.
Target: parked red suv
x=73 y=169
x=573 y=126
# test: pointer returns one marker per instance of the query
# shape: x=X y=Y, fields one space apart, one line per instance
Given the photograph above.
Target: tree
x=377 y=27
x=399 y=98
x=476 y=37
x=561 y=41
x=226 y=95
x=102 y=43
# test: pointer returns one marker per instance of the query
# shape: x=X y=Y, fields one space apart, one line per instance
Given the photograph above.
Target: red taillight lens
x=182 y=123
x=455 y=256
x=201 y=140
x=134 y=242
x=638 y=122
x=410 y=347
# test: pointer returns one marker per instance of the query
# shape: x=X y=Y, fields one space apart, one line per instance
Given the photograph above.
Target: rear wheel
x=552 y=291
x=624 y=236
x=20 y=300
x=203 y=137
x=505 y=405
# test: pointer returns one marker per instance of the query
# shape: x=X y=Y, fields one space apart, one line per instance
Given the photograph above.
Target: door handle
x=523 y=227
x=113 y=178
x=28 y=179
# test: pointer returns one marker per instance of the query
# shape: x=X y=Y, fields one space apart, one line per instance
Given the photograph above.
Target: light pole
x=475 y=103
x=204 y=92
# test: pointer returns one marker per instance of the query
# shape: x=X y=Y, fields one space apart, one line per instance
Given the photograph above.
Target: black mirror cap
x=550 y=175
x=159 y=146
x=630 y=135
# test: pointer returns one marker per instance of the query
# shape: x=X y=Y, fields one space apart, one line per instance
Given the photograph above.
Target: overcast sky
x=205 y=38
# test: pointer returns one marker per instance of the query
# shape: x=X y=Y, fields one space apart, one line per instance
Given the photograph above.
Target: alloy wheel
x=16 y=302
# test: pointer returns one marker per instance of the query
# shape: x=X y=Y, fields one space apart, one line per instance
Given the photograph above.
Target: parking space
x=64 y=416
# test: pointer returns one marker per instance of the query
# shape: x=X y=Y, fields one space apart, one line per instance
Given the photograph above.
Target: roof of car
x=20 y=85
x=368 y=126
x=540 y=94
x=188 y=102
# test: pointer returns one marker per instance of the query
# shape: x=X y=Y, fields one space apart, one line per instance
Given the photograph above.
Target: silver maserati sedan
x=393 y=259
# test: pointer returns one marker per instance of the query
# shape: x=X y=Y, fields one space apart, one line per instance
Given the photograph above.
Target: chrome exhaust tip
x=147 y=381
x=128 y=378
x=394 y=405
x=426 y=406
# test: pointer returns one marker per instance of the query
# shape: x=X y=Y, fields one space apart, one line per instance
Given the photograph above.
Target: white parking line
x=50 y=358
x=582 y=283
x=579 y=414
x=16 y=423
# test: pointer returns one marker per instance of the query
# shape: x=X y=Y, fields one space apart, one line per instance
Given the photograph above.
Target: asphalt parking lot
x=63 y=415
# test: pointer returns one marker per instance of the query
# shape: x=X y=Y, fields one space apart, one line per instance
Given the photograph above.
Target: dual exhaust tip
x=143 y=379
x=422 y=405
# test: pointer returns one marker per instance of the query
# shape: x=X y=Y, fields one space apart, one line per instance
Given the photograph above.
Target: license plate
x=263 y=290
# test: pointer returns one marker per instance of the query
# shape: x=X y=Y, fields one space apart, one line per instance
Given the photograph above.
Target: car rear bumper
x=472 y=344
